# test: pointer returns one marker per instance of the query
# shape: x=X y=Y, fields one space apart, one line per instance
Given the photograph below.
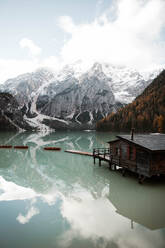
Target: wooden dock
x=80 y=152
x=102 y=154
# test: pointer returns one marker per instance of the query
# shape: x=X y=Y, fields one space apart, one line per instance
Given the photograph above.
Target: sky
x=51 y=33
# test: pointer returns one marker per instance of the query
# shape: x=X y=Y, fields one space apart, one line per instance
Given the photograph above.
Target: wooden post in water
x=110 y=165
x=94 y=158
x=141 y=179
x=123 y=172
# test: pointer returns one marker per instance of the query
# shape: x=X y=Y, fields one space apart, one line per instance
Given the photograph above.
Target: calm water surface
x=56 y=199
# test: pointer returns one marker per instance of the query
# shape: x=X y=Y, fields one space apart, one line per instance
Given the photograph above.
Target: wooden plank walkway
x=80 y=152
x=101 y=154
x=103 y=157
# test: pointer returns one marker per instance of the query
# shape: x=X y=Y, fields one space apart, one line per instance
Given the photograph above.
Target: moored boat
x=52 y=148
x=5 y=146
x=21 y=147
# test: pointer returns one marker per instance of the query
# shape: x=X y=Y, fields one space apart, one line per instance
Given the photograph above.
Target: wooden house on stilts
x=142 y=154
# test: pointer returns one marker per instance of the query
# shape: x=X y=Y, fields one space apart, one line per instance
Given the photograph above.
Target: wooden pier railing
x=101 y=151
x=104 y=154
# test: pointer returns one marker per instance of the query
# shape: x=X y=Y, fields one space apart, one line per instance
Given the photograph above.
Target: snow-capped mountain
x=75 y=97
x=24 y=86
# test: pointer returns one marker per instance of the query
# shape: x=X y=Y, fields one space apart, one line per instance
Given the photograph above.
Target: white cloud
x=33 y=48
x=25 y=219
x=10 y=68
x=67 y=24
x=51 y=62
x=129 y=33
x=12 y=191
x=131 y=37
x=89 y=219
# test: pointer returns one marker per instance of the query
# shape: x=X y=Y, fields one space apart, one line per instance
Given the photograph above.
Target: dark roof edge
x=132 y=142
x=112 y=141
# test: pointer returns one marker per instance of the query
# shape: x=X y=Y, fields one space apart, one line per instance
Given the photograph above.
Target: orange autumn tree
x=146 y=113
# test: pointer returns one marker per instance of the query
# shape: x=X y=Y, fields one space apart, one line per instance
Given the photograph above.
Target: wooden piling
x=123 y=172
x=110 y=165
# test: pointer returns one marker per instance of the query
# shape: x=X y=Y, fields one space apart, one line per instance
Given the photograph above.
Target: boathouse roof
x=152 y=142
x=114 y=140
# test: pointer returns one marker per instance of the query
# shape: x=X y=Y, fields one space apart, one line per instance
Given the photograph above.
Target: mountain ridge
x=73 y=98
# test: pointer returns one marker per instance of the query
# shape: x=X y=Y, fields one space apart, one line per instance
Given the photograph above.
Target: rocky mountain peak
x=76 y=96
x=97 y=68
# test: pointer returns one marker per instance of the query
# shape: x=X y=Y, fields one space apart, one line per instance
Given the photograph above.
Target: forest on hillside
x=146 y=113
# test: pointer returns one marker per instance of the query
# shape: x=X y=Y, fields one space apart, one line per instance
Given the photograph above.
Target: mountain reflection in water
x=66 y=201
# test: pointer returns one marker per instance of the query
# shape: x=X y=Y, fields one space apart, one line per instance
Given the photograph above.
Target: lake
x=51 y=199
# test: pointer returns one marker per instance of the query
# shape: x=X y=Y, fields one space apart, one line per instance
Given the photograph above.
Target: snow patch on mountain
x=75 y=95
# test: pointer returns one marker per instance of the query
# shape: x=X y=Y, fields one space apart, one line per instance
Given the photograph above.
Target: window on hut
x=116 y=151
x=131 y=152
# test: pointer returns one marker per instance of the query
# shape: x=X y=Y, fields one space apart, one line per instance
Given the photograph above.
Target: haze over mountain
x=74 y=98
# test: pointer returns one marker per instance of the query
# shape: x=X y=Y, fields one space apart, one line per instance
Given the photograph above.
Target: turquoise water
x=54 y=199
